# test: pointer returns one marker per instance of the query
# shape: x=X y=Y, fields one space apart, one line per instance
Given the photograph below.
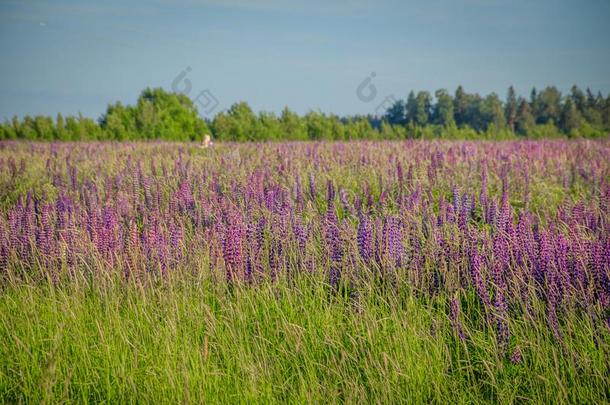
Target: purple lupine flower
x=344 y=201
x=399 y=175
x=312 y=187
x=249 y=269
x=492 y=211
x=504 y=191
x=499 y=268
x=454 y=316
x=553 y=300
x=47 y=230
x=392 y=235
x=483 y=193
x=331 y=229
x=504 y=216
x=331 y=233
x=298 y=191
x=543 y=259
x=600 y=264
x=175 y=237
x=300 y=233
x=477 y=278
x=516 y=357
x=330 y=191
x=365 y=238
x=233 y=245
x=73 y=177
x=410 y=176
x=369 y=196
x=260 y=232
x=457 y=200
x=465 y=213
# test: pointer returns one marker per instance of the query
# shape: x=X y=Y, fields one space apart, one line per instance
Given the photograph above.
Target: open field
x=416 y=271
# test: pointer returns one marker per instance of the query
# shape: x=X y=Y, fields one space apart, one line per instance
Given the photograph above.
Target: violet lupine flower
x=483 y=193
x=4 y=255
x=331 y=230
x=392 y=235
x=298 y=191
x=260 y=232
x=331 y=233
x=465 y=213
x=491 y=212
x=271 y=202
x=344 y=201
x=477 y=278
x=553 y=300
x=249 y=269
x=312 y=187
x=431 y=171
x=516 y=357
x=186 y=201
x=500 y=304
x=578 y=214
x=543 y=259
x=600 y=263
x=73 y=177
x=457 y=200
x=410 y=176
x=525 y=240
x=175 y=237
x=450 y=214
x=365 y=238
x=454 y=316
x=504 y=190
x=233 y=245
x=300 y=233
x=399 y=175
x=330 y=192
x=369 y=197
x=504 y=217
x=45 y=232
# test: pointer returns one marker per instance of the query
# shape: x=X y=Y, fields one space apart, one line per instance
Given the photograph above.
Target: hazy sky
x=71 y=56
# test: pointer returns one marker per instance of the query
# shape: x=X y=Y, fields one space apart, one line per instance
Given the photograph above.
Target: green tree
x=460 y=106
x=157 y=114
x=411 y=108
x=293 y=127
x=318 y=126
x=268 y=127
x=511 y=108
x=492 y=112
x=570 y=117
x=423 y=101
x=395 y=115
x=549 y=106
x=443 y=109
x=60 y=127
x=578 y=98
x=525 y=120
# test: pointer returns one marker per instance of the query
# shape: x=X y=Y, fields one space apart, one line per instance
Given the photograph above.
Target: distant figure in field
x=207 y=141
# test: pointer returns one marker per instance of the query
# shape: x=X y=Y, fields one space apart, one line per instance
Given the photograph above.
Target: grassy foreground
x=194 y=340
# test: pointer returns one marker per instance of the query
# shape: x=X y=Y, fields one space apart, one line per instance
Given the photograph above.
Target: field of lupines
x=305 y=272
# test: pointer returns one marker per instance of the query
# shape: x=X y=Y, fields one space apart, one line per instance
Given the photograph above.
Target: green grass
x=195 y=340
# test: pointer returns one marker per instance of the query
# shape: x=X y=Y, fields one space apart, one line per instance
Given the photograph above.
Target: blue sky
x=70 y=56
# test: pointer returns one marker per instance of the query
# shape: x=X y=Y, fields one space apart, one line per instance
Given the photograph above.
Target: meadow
x=305 y=272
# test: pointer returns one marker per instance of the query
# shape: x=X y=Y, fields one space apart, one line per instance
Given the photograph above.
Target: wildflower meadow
x=361 y=272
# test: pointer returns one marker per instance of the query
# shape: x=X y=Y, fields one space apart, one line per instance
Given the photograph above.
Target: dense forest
x=162 y=115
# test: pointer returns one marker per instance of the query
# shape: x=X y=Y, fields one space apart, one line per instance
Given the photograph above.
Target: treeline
x=162 y=115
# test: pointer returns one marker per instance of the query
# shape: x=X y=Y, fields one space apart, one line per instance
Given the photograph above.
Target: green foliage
x=443 y=110
x=158 y=114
